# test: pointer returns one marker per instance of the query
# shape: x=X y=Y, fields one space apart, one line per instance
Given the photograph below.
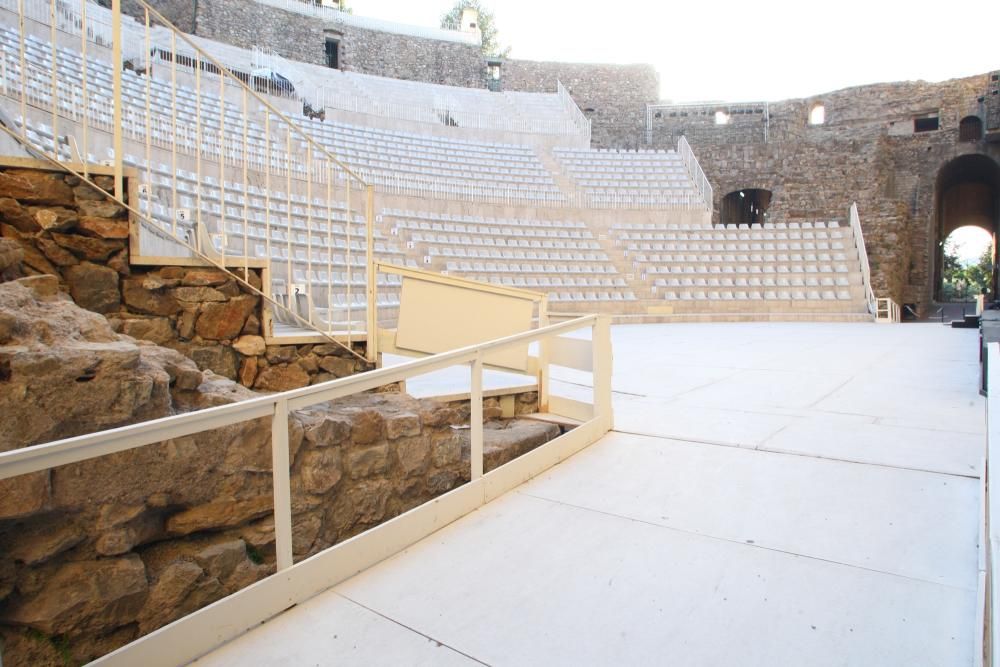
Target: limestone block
x=218 y=515
x=369 y=461
x=224 y=321
x=84 y=247
x=84 y=596
x=402 y=424
x=94 y=287
x=12 y=213
x=36 y=187
x=322 y=469
x=138 y=296
x=102 y=227
x=282 y=378
x=250 y=346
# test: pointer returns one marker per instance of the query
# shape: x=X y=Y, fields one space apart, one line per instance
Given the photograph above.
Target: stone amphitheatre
x=327 y=339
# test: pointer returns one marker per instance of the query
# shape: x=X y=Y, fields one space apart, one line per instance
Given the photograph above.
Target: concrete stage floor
x=774 y=494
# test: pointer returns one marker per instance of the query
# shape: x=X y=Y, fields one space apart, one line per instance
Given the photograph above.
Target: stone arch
x=747 y=206
x=967 y=192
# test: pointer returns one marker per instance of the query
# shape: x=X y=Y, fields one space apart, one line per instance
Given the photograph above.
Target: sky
x=733 y=50
x=969 y=243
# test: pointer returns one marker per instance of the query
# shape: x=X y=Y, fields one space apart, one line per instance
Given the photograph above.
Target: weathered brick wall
x=616 y=94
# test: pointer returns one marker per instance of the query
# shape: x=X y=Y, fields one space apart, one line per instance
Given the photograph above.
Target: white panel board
x=437 y=318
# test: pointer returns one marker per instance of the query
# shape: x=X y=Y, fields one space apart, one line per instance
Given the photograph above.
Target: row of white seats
x=526 y=267
x=781 y=281
x=748 y=268
x=500 y=241
x=545 y=281
x=536 y=255
x=767 y=295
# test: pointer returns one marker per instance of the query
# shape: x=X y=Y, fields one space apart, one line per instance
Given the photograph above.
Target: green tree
x=487 y=26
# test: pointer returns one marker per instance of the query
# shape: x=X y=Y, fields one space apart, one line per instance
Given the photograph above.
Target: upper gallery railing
x=695 y=171
x=866 y=272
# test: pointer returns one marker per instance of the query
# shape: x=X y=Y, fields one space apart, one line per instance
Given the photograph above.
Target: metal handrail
x=81 y=448
x=866 y=272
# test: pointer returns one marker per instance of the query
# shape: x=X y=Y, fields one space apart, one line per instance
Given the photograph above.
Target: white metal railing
x=188 y=638
x=451 y=116
x=695 y=171
x=581 y=122
x=987 y=648
x=233 y=145
x=887 y=311
x=332 y=14
x=866 y=272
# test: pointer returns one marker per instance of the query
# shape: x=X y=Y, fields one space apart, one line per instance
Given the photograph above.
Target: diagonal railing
x=223 y=171
x=866 y=272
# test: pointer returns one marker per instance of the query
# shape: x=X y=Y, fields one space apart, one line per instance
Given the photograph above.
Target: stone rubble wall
x=68 y=229
x=98 y=553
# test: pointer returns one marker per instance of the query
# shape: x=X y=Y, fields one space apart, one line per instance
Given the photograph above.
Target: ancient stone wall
x=246 y=24
x=95 y=554
x=411 y=58
x=866 y=151
x=179 y=12
x=69 y=230
x=613 y=97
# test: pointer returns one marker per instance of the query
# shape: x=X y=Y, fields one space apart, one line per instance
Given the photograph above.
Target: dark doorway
x=333 y=53
x=970 y=129
x=967 y=193
x=745 y=207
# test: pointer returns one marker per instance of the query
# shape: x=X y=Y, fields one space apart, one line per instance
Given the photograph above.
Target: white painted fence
x=193 y=635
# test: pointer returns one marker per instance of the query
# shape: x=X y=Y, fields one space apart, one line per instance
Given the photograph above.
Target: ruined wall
x=246 y=24
x=864 y=152
x=411 y=58
x=98 y=553
x=613 y=97
x=179 y=12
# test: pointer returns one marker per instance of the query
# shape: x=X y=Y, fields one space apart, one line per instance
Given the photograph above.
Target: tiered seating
x=559 y=257
x=401 y=161
x=438 y=164
x=774 y=262
x=461 y=107
x=646 y=177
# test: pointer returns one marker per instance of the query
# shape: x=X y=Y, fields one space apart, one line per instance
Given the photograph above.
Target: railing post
x=282 y=485
x=602 y=365
x=371 y=276
x=543 y=357
x=116 y=69
x=476 y=417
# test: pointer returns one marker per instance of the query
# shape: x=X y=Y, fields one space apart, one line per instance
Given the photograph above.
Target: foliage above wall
x=487 y=26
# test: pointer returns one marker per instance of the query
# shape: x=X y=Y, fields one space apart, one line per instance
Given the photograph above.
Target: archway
x=745 y=207
x=967 y=268
x=967 y=194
